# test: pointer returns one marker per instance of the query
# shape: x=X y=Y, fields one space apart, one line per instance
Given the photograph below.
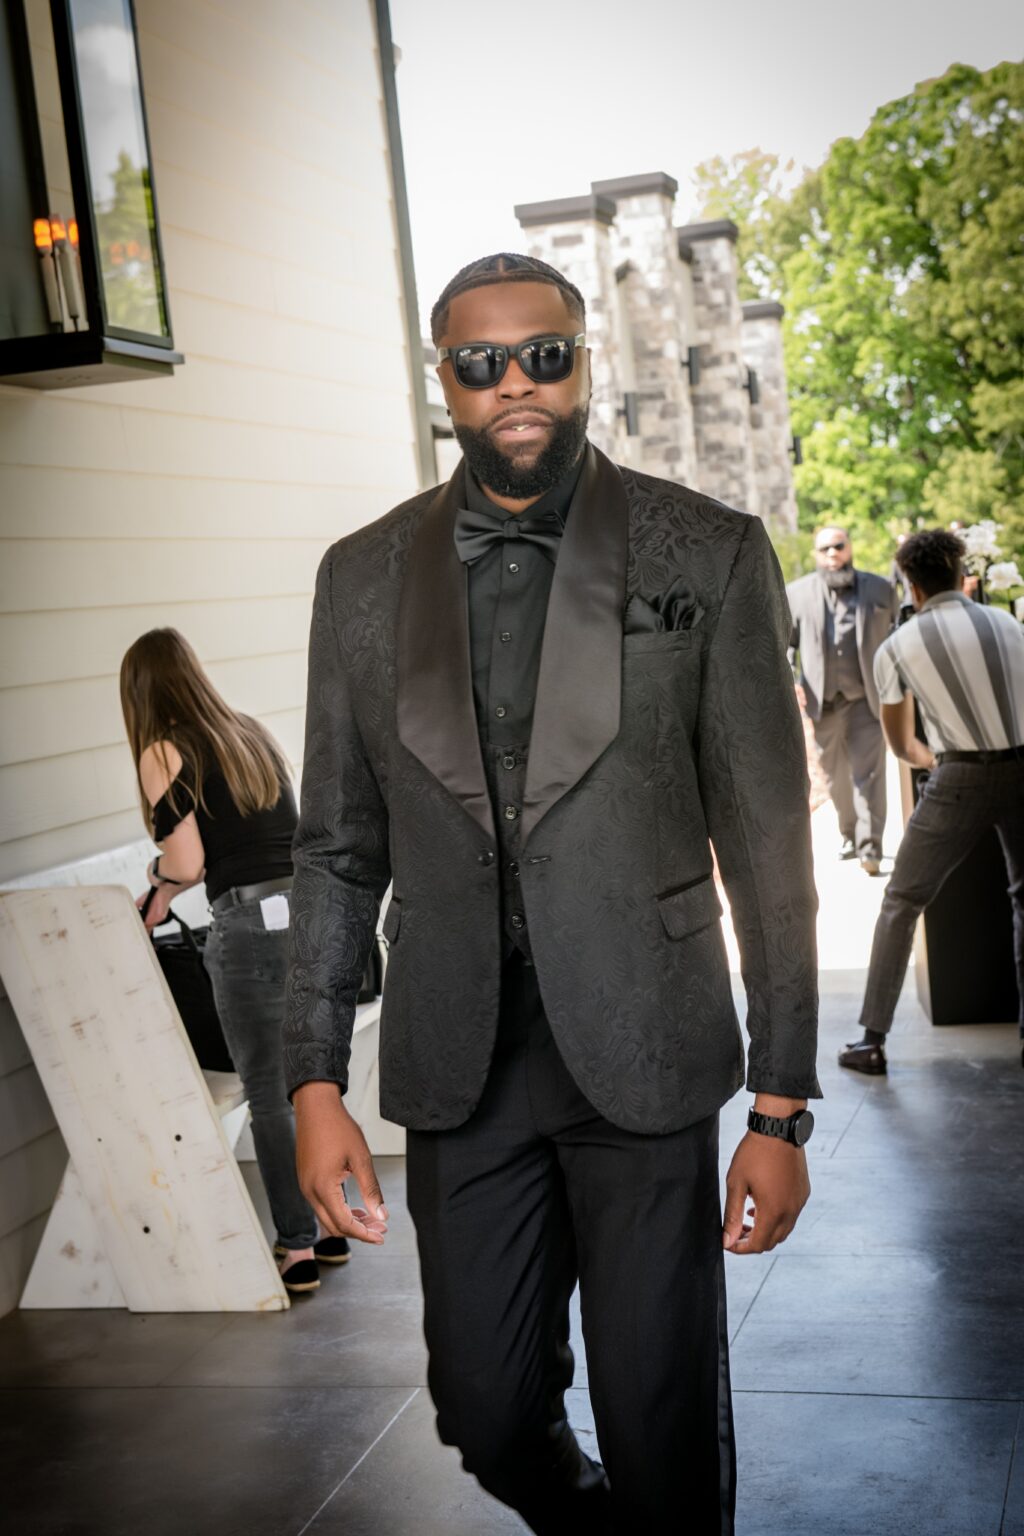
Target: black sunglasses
x=824 y=549
x=482 y=364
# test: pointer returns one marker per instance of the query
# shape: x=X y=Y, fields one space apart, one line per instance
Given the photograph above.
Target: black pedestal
x=963 y=950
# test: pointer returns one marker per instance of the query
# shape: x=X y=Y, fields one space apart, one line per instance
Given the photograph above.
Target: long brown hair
x=166 y=696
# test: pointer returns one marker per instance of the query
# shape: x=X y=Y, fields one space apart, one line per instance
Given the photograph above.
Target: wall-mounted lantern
x=692 y=365
x=83 y=290
x=630 y=409
x=752 y=387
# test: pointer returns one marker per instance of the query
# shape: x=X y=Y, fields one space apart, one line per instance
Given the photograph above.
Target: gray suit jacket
x=877 y=610
x=645 y=746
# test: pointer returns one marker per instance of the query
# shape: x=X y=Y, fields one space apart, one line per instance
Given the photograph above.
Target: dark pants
x=247 y=964
x=959 y=803
x=533 y=1192
x=852 y=752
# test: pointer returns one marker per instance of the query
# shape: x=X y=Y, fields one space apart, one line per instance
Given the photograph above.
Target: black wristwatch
x=796 y=1128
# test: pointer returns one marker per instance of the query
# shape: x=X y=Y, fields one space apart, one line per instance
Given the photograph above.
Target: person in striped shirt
x=964 y=664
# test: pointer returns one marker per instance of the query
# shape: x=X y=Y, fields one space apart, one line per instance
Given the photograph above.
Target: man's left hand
x=772 y=1174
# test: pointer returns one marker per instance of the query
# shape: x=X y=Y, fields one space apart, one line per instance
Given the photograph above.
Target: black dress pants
x=534 y=1191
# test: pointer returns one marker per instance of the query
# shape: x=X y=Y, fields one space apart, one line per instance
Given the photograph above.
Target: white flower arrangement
x=1003 y=575
x=982 y=544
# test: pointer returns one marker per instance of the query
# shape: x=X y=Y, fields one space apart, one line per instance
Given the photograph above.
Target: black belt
x=1007 y=755
x=240 y=894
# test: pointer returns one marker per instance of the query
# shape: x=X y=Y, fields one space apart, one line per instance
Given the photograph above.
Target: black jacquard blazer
x=649 y=745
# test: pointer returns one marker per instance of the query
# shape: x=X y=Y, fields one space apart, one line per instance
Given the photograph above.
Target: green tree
x=901 y=266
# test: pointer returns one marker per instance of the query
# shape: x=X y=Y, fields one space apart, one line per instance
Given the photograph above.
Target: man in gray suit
x=840 y=618
x=537 y=696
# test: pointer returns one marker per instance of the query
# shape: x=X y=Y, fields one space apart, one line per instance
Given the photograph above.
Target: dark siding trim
x=417 y=382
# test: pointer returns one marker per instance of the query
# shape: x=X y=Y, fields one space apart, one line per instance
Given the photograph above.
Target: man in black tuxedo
x=537 y=696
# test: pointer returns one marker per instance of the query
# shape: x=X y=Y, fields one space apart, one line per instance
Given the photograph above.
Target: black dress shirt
x=509 y=588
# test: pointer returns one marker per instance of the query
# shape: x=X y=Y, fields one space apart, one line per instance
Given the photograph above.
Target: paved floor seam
x=355 y=1468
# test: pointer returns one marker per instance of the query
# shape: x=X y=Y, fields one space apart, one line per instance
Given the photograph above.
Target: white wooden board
x=173 y=1219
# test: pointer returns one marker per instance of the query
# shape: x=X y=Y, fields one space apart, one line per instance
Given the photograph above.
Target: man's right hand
x=330 y=1148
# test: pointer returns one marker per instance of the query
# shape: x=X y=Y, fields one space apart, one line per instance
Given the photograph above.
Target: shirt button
x=511 y=812
x=506 y=636
x=513 y=567
x=501 y=711
x=518 y=920
x=508 y=761
x=487 y=857
x=513 y=869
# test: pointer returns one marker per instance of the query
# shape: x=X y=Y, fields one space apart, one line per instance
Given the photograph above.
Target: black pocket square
x=675 y=608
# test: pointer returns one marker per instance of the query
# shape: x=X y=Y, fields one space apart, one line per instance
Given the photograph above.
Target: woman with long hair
x=217 y=800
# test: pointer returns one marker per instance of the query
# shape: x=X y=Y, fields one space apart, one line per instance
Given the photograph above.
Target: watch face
x=803 y=1125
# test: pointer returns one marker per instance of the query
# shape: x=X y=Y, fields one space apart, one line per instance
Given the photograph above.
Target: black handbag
x=181 y=960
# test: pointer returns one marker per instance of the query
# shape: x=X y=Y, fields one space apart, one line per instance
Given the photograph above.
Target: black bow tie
x=478 y=532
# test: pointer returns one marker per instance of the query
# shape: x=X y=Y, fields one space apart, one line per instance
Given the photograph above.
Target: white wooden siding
x=204 y=501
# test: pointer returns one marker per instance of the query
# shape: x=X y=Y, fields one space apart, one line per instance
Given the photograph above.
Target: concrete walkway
x=878 y=1356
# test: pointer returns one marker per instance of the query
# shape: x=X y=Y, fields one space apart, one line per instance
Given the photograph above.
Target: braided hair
x=504 y=267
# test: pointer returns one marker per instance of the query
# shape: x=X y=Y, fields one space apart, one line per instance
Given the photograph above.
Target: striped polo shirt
x=964 y=664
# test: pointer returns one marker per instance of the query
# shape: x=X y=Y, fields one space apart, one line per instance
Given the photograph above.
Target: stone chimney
x=721 y=405
x=652 y=281
x=574 y=235
x=771 y=430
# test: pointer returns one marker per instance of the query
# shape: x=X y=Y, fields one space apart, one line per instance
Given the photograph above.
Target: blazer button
x=508 y=761
x=518 y=920
x=513 y=567
x=501 y=711
x=486 y=857
x=513 y=869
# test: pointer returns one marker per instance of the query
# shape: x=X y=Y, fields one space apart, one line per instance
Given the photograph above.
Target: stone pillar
x=771 y=430
x=651 y=276
x=721 y=406
x=573 y=234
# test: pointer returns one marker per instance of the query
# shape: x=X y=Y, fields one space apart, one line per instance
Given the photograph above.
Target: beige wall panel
x=34 y=650
x=236 y=334
x=215 y=96
x=25 y=1112
x=17 y=1251
x=103 y=573
x=14 y=1053
x=29 y=1177
x=312 y=83
x=46 y=503
x=295 y=188
x=307 y=28
x=243 y=221
x=67 y=844
x=221 y=391
x=60 y=792
x=41 y=721
x=144 y=438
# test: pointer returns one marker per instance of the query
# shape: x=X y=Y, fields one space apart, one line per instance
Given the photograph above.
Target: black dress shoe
x=848 y=850
x=301 y=1276
x=861 y=1057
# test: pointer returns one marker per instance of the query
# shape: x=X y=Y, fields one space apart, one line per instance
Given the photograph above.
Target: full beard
x=841 y=578
x=502 y=474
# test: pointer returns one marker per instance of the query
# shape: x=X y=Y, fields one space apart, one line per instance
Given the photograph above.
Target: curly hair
x=504 y=267
x=932 y=560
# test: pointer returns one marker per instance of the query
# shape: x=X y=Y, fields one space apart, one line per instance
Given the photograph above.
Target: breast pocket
x=662 y=643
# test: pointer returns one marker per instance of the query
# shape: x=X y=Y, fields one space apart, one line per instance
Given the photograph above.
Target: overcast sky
x=533 y=99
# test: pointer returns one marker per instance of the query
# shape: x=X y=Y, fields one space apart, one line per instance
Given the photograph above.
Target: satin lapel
x=436 y=715
x=860 y=620
x=579 y=688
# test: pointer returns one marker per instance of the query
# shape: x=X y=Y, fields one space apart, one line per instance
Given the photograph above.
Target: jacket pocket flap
x=690 y=909
x=392 y=921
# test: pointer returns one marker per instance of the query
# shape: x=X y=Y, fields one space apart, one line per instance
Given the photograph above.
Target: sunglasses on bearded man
x=482 y=364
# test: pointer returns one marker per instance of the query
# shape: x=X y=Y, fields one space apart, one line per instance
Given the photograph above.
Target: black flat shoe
x=861 y=1057
x=332 y=1250
x=301 y=1276
x=848 y=850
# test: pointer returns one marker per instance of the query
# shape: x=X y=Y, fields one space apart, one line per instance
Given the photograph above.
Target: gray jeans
x=247 y=965
x=853 y=761
x=959 y=803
